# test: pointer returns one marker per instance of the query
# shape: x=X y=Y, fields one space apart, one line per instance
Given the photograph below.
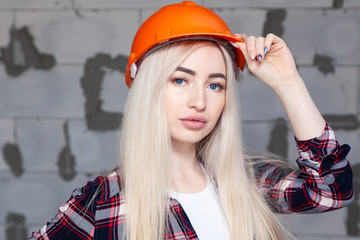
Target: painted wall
x=62 y=93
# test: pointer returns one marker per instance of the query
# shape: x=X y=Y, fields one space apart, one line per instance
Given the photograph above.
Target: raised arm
x=277 y=69
x=324 y=179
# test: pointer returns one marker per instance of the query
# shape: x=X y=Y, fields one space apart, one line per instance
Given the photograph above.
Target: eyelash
x=175 y=81
x=219 y=87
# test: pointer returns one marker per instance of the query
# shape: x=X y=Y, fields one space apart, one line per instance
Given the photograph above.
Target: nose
x=197 y=98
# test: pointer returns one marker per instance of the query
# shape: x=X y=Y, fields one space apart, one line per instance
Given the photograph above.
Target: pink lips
x=193 y=122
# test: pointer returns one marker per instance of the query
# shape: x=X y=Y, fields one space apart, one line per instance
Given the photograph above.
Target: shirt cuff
x=316 y=149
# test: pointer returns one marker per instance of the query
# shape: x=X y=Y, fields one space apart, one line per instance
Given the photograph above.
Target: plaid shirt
x=322 y=183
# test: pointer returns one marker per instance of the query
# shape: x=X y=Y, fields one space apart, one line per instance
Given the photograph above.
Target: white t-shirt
x=205 y=213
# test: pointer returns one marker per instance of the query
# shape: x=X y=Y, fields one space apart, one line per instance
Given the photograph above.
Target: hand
x=269 y=59
x=277 y=69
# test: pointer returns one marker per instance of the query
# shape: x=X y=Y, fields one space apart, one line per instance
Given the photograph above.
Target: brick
x=256 y=136
x=47 y=192
x=125 y=3
x=273 y=137
x=258 y=101
x=6 y=136
x=95 y=152
x=72 y=37
x=243 y=20
x=358 y=90
x=114 y=91
x=2 y=232
x=351 y=3
x=40 y=142
x=5 y=25
x=328 y=29
x=318 y=224
x=36 y=93
x=268 y=3
x=333 y=93
x=35 y=4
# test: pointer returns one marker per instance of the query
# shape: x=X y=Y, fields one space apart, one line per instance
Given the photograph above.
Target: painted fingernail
x=260 y=58
x=265 y=50
x=252 y=55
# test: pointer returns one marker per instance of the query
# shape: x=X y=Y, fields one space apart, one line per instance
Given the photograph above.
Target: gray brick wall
x=62 y=93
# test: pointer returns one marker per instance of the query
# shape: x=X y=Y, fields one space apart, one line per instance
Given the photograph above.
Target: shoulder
x=111 y=186
x=99 y=188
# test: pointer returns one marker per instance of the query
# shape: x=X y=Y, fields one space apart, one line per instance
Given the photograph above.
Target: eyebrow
x=191 y=72
x=186 y=70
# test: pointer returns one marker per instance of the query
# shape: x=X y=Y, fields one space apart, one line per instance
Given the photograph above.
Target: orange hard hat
x=179 y=22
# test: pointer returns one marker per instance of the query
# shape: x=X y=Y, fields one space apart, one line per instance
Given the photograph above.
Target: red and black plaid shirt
x=322 y=183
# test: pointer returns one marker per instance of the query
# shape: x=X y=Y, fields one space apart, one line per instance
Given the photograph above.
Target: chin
x=189 y=138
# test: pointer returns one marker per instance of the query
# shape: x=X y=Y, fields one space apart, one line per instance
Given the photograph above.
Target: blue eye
x=215 y=86
x=179 y=81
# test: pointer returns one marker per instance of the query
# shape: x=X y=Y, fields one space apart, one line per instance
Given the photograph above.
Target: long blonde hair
x=145 y=151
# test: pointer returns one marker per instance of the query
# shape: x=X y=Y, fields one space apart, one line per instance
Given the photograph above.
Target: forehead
x=207 y=56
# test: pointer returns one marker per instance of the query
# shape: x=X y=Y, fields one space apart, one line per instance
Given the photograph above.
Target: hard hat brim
x=223 y=39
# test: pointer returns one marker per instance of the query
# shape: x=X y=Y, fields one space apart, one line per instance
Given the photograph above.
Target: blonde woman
x=182 y=172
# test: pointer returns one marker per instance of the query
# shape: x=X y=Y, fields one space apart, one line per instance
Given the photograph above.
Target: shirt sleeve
x=75 y=219
x=322 y=183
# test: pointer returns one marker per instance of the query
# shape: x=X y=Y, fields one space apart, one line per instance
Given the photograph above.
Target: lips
x=193 y=122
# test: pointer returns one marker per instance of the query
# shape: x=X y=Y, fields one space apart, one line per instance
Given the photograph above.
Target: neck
x=183 y=156
x=187 y=175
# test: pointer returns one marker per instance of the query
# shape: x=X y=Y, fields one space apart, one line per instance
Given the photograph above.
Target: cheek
x=220 y=110
x=216 y=112
x=171 y=107
x=220 y=106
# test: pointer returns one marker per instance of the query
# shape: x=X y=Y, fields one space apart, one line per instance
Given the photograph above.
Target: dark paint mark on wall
x=96 y=118
x=273 y=23
x=344 y=122
x=278 y=138
x=16 y=229
x=21 y=53
x=66 y=161
x=13 y=158
x=338 y=3
x=353 y=210
x=324 y=63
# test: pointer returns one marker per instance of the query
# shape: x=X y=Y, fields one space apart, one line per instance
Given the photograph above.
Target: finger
x=242 y=47
x=241 y=36
x=251 y=47
x=269 y=40
x=260 y=49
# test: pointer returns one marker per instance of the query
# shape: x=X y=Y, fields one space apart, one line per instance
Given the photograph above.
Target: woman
x=182 y=171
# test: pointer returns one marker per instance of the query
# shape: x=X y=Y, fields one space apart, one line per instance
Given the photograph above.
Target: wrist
x=288 y=86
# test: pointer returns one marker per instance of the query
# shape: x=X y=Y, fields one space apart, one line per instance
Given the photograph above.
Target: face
x=195 y=95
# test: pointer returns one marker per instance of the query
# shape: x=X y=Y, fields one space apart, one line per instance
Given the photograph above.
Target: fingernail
x=265 y=50
x=252 y=55
x=260 y=58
